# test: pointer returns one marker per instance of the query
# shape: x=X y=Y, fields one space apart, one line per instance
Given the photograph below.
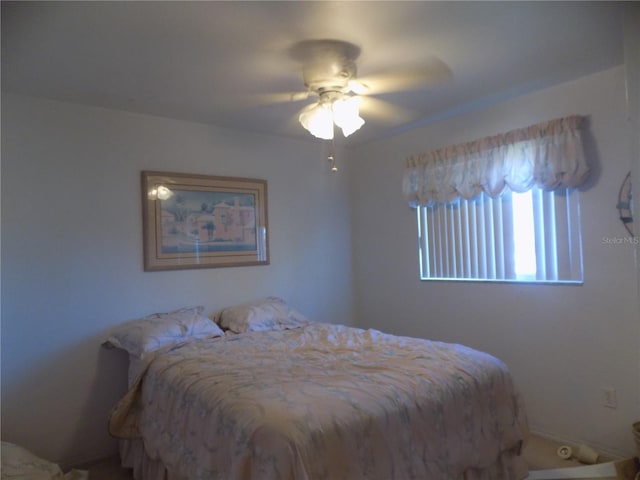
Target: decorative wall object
x=625 y=204
x=199 y=221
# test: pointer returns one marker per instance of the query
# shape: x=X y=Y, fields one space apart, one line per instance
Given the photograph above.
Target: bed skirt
x=133 y=455
x=509 y=465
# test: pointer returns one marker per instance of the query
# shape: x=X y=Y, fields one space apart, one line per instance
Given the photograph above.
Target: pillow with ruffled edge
x=142 y=336
x=271 y=313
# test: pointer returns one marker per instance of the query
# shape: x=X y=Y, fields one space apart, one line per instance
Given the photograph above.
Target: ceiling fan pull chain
x=331 y=156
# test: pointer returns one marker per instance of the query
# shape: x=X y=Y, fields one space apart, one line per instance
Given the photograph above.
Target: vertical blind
x=474 y=239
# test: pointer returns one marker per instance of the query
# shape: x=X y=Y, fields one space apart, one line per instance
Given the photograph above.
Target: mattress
x=325 y=402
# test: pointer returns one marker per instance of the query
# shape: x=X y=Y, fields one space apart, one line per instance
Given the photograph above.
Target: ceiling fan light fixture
x=346 y=114
x=318 y=120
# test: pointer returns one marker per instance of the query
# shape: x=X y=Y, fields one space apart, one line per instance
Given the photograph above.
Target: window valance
x=548 y=155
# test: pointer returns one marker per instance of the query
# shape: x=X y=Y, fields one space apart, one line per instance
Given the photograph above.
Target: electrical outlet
x=609 y=399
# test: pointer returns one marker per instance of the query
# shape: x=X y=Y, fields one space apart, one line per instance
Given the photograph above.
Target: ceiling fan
x=330 y=76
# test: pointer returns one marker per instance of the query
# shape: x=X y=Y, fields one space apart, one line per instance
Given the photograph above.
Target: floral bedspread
x=326 y=402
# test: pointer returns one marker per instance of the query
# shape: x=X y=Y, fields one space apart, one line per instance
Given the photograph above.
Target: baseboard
x=599 y=470
x=627 y=469
x=608 y=453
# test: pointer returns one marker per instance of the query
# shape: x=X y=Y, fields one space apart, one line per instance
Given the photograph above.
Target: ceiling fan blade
x=432 y=73
x=374 y=108
x=261 y=99
x=358 y=87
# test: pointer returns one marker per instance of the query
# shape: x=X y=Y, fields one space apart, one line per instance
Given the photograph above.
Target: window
x=471 y=224
x=521 y=237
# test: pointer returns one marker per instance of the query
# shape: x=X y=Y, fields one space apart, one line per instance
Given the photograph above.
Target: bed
x=286 y=398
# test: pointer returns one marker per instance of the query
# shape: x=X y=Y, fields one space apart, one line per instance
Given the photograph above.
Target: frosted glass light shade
x=318 y=120
x=346 y=115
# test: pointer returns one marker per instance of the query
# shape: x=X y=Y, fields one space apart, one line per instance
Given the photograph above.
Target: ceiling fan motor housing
x=328 y=65
x=328 y=74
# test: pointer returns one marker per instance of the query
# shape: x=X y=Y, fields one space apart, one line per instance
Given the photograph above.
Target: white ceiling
x=216 y=62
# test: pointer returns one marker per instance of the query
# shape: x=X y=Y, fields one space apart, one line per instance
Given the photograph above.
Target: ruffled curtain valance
x=548 y=155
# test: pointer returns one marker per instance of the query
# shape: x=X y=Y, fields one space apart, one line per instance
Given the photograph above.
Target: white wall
x=72 y=261
x=632 y=84
x=564 y=344
x=72 y=254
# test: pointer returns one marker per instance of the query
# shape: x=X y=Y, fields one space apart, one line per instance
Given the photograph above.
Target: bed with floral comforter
x=325 y=402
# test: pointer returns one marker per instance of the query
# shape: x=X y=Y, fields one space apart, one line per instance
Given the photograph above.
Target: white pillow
x=271 y=313
x=148 y=334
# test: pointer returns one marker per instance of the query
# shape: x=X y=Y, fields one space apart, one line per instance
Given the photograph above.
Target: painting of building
x=197 y=221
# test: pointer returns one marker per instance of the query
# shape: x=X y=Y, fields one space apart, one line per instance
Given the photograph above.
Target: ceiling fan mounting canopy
x=327 y=65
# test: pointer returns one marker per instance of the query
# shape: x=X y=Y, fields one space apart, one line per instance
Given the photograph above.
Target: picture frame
x=202 y=221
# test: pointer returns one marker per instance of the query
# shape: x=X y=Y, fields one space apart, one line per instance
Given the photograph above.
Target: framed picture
x=199 y=221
